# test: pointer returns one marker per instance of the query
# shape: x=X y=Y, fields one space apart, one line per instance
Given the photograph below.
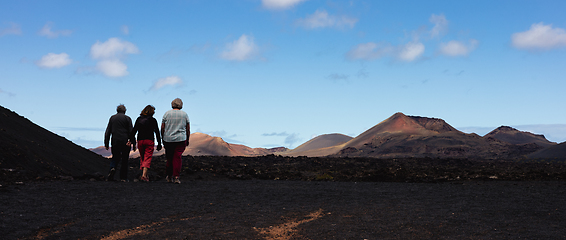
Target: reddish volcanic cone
x=401 y=124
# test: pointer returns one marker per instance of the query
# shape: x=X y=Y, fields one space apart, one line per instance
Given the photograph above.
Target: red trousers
x=173 y=152
x=146 y=152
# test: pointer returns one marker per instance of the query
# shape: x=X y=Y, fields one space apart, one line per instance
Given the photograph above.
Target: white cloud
x=540 y=37
x=440 y=25
x=112 y=68
x=280 y=4
x=52 y=60
x=112 y=48
x=125 y=30
x=411 y=51
x=240 y=50
x=369 y=51
x=47 y=32
x=321 y=19
x=110 y=54
x=457 y=48
x=162 y=82
x=12 y=29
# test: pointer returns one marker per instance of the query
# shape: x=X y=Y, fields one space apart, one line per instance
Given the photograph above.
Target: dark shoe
x=125 y=180
x=144 y=179
x=177 y=180
x=110 y=176
x=169 y=180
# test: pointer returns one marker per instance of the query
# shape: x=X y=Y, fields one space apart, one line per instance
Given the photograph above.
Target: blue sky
x=269 y=73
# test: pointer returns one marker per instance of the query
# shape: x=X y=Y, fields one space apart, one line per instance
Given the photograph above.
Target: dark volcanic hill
x=555 y=152
x=30 y=150
x=514 y=136
x=402 y=136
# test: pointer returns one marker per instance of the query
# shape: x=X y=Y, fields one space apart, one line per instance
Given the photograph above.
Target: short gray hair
x=121 y=108
x=177 y=103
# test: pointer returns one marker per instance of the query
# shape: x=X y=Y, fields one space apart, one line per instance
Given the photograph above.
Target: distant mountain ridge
x=402 y=136
x=201 y=144
x=399 y=136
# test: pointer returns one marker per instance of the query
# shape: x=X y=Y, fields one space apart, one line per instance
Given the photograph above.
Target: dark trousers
x=120 y=154
x=173 y=153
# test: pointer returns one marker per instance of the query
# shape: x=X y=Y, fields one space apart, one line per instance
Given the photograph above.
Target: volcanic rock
x=514 y=136
x=31 y=151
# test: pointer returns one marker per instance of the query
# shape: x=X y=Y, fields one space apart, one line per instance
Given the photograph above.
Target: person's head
x=177 y=103
x=148 y=111
x=121 y=108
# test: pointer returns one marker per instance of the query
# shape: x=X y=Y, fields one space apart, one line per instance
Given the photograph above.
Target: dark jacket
x=120 y=127
x=145 y=127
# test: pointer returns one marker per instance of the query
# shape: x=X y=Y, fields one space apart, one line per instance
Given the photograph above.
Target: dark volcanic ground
x=296 y=198
x=266 y=209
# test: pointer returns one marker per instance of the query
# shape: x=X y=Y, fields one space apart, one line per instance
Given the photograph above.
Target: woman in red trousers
x=146 y=126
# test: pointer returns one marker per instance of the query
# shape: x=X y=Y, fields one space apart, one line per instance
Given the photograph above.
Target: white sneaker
x=177 y=181
x=169 y=180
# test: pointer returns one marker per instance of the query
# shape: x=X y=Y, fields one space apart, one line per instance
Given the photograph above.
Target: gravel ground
x=268 y=209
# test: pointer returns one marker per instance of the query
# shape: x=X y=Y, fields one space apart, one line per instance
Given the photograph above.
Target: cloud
x=112 y=48
x=162 y=82
x=440 y=25
x=47 y=32
x=112 y=68
x=110 y=55
x=280 y=4
x=369 y=51
x=335 y=77
x=12 y=29
x=7 y=93
x=241 y=50
x=52 y=60
x=457 y=48
x=292 y=139
x=281 y=134
x=125 y=30
x=411 y=51
x=321 y=19
x=539 y=37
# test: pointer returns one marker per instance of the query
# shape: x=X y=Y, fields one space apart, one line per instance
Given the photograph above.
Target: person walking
x=176 y=130
x=119 y=128
x=146 y=126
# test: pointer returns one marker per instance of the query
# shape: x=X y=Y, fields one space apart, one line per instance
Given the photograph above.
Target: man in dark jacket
x=119 y=127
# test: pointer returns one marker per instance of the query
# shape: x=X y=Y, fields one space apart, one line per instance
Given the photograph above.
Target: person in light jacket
x=176 y=130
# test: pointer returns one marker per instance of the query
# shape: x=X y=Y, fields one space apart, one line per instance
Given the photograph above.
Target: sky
x=269 y=73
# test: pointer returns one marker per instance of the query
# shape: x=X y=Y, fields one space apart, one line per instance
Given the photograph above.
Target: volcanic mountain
x=514 y=136
x=322 y=145
x=27 y=147
x=411 y=136
x=402 y=136
x=203 y=144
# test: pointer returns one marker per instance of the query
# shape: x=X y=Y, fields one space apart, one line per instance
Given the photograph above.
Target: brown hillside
x=408 y=136
x=514 y=136
x=202 y=144
x=322 y=145
x=27 y=147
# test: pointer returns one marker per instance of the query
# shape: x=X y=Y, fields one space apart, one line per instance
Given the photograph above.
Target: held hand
x=106 y=147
